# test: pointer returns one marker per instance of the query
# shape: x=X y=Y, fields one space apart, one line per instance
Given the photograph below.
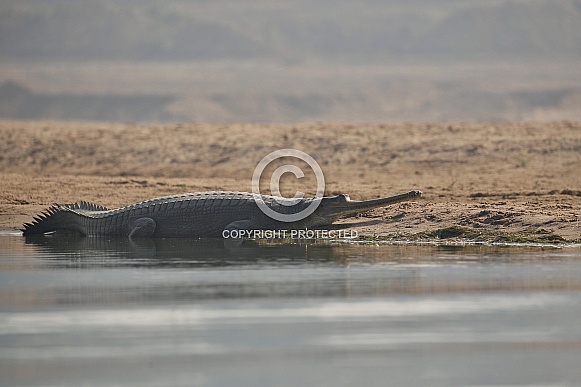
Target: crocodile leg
x=143 y=228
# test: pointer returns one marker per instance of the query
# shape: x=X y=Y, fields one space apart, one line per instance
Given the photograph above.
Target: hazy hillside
x=289 y=61
x=323 y=29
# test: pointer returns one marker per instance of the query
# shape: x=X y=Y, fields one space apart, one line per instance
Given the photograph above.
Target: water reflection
x=174 y=252
x=122 y=271
x=215 y=253
x=95 y=311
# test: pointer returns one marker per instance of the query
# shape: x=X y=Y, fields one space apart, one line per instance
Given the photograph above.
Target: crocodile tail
x=52 y=219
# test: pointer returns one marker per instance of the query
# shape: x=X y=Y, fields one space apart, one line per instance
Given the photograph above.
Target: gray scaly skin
x=200 y=214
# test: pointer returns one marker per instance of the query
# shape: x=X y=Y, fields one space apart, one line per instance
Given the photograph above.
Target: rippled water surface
x=90 y=311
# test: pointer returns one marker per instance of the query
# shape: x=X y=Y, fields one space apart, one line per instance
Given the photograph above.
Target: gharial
x=200 y=214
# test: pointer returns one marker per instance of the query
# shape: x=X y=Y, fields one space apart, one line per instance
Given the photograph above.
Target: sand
x=495 y=182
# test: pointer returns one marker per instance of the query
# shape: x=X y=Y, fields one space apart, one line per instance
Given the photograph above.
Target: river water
x=92 y=311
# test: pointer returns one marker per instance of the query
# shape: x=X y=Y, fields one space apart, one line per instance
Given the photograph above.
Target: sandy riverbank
x=480 y=181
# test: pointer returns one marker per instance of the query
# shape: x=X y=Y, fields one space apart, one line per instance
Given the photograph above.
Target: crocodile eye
x=343 y=197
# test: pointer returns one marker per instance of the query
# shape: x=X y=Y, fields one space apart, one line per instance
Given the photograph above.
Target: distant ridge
x=18 y=102
x=330 y=30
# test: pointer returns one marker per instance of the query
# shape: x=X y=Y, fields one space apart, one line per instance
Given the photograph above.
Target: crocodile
x=198 y=214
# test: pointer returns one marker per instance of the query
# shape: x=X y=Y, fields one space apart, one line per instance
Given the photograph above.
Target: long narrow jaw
x=343 y=206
